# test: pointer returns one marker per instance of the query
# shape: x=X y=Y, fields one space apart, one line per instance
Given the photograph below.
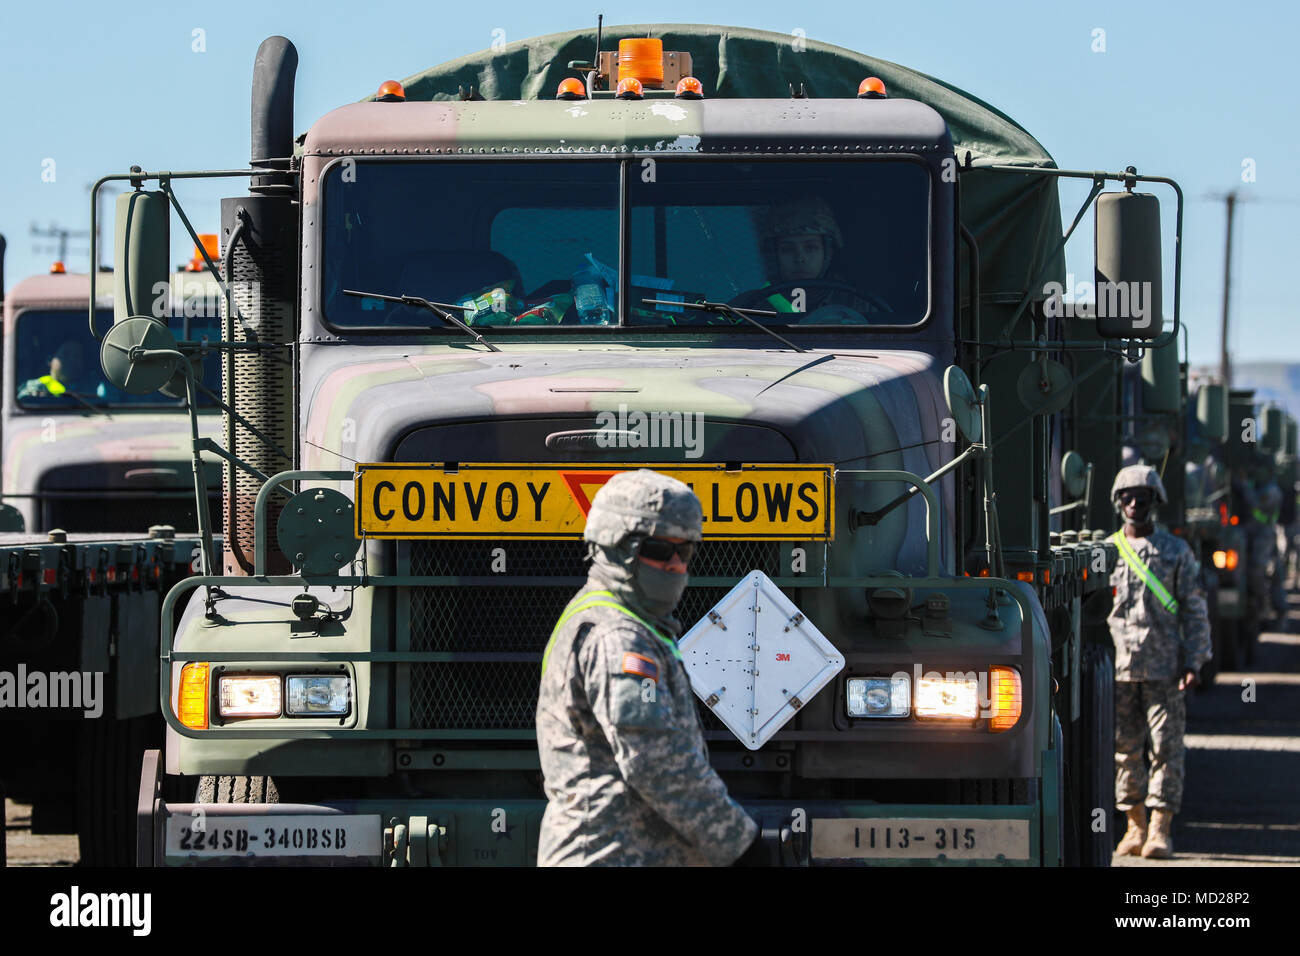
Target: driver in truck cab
x=65 y=367
x=799 y=239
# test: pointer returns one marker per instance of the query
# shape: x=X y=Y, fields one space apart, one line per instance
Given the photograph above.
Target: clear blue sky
x=1188 y=90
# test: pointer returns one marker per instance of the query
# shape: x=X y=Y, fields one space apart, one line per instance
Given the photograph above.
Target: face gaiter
x=651 y=593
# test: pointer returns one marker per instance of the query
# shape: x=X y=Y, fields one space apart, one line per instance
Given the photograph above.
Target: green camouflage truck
x=455 y=308
x=84 y=463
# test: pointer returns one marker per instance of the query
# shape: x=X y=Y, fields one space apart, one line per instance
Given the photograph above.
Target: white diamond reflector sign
x=755 y=659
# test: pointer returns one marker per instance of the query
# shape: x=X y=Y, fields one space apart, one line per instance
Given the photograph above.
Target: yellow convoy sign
x=752 y=502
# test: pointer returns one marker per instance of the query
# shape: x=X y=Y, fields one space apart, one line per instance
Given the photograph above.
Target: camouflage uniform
x=627 y=774
x=1153 y=648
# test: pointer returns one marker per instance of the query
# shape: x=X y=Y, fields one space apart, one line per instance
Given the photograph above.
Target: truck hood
x=852 y=409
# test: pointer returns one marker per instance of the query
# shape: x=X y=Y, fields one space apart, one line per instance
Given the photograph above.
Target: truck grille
x=513 y=622
x=118 y=512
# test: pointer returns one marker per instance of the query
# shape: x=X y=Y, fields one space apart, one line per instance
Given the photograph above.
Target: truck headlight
x=245 y=696
x=948 y=697
x=879 y=696
x=319 y=695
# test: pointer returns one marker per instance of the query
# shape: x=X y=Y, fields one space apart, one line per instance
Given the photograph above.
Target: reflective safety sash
x=1137 y=564
x=1265 y=517
x=597 y=599
x=780 y=303
x=52 y=385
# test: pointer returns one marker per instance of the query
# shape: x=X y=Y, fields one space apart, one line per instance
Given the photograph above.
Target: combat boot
x=1159 y=845
x=1136 y=834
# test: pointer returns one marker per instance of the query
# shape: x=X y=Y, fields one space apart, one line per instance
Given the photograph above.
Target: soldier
x=627 y=775
x=1162 y=637
x=799 y=239
x=65 y=369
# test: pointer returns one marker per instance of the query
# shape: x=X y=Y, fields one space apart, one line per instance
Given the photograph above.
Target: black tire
x=237 y=790
x=1228 y=644
x=109 y=754
x=1096 y=776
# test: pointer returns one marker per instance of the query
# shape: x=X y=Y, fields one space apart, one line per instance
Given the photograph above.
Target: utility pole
x=1225 y=366
x=62 y=235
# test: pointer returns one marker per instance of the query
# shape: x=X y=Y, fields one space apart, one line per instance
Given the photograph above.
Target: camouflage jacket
x=1150 y=642
x=627 y=774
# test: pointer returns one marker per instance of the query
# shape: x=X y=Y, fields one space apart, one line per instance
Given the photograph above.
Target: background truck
x=454 y=310
x=83 y=463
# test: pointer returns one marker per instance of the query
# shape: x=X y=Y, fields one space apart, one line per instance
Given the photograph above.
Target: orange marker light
x=872 y=88
x=689 y=88
x=390 y=91
x=629 y=89
x=192 y=701
x=58 y=269
x=1234 y=520
x=571 y=89
x=1027 y=576
x=1005 y=696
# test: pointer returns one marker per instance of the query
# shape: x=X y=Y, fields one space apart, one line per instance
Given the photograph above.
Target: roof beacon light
x=641 y=58
x=211 y=245
x=689 y=88
x=872 y=88
x=390 y=91
x=58 y=269
x=629 y=89
x=571 y=89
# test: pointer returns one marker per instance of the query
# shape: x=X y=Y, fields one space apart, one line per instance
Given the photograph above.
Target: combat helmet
x=1138 y=476
x=802 y=216
x=643 y=502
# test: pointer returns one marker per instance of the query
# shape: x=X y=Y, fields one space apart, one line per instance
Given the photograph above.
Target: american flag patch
x=640 y=666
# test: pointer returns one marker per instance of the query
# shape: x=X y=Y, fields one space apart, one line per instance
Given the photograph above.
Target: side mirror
x=1272 y=435
x=1212 y=411
x=1127 y=252
x=142 y=253
x=1162 y=387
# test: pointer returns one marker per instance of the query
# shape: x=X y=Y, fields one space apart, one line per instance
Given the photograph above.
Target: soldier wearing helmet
x=799 y=239
x=1162 y=637
x=627 y=775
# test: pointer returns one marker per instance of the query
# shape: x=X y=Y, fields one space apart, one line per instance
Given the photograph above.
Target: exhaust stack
x=259 y=234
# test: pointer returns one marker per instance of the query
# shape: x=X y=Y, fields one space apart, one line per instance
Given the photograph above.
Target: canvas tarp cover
x=1015 y=219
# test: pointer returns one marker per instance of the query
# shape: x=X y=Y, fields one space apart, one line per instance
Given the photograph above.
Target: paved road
x=1241 y=806
x=23 y=849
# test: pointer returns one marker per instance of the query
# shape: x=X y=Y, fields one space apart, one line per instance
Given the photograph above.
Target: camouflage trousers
x=1150 y=720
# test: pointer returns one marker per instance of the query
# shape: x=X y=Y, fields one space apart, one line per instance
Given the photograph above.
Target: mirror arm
x=1098 y=183
x=137 y=178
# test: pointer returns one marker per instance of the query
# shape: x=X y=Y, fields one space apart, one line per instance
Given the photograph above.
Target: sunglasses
x=1141 y=497
x=657 y=549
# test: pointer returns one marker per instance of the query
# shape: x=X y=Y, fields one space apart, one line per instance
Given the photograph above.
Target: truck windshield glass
x=56 y=361
x=821 y=242
x=513 y=243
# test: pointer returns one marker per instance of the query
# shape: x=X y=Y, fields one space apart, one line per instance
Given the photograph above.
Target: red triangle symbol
x=578 y=481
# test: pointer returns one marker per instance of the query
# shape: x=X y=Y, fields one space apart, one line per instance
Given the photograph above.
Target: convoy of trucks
x=452 y=311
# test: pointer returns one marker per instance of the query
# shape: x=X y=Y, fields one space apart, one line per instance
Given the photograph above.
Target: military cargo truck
x=84 y=462
x=454 y=309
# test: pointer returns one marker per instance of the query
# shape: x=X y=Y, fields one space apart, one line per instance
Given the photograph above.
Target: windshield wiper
x=440 y=309
x=722 y=308
x=85 y=403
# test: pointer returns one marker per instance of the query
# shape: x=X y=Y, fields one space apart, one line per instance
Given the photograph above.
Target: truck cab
x=78 y=453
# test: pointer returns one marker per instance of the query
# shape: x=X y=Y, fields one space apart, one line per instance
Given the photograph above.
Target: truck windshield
x=536 y=243
x=56 y=361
